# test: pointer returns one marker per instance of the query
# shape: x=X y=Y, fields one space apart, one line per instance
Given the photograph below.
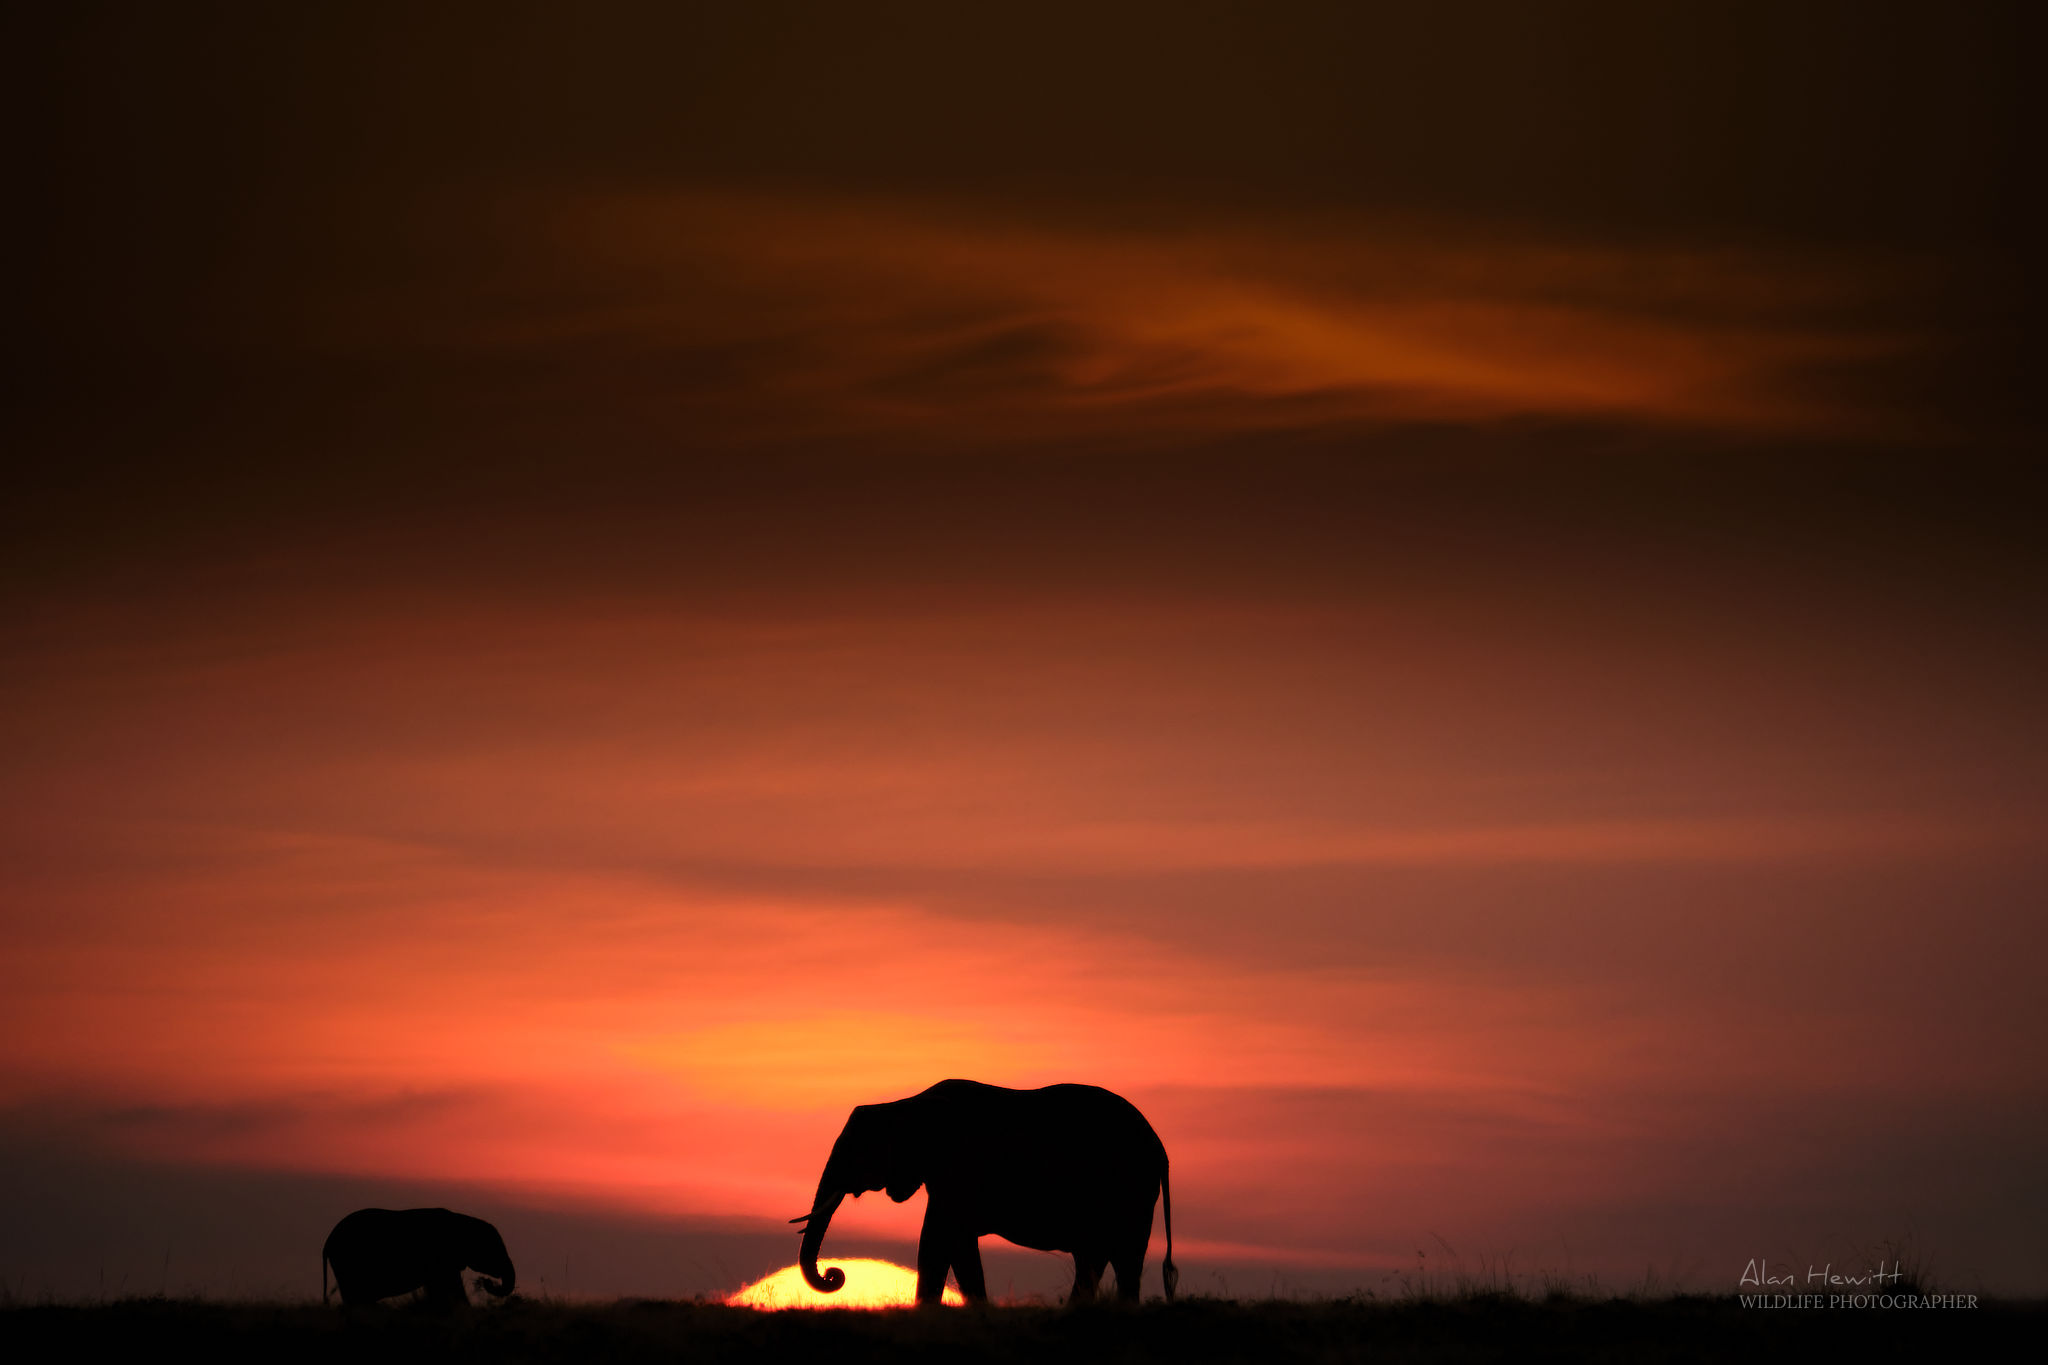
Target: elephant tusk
x=805 y=1219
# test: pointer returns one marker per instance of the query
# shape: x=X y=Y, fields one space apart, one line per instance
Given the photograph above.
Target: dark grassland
x=1473 y=1328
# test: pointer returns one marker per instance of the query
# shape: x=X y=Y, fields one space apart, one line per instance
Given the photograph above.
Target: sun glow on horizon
x=869 y=1284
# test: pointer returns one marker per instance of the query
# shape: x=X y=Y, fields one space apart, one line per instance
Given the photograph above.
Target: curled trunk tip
x=834 y=1278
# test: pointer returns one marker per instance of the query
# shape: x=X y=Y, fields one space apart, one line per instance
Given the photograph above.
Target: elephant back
x=382 y=1253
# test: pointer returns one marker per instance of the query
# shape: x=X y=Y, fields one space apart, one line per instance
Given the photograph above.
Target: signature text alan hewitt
x=1758 y=1272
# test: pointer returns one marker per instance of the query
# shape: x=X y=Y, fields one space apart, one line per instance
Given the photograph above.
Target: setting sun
x=869 y=1284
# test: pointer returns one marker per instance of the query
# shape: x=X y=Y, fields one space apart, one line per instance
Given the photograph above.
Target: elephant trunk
x=822 y=1209
x=491 y=1258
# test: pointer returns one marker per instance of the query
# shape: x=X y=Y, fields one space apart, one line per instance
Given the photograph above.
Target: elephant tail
x=1169 y=1273
x=323 y=1277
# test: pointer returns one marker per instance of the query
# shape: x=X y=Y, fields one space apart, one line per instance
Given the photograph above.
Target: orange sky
x=627 y=907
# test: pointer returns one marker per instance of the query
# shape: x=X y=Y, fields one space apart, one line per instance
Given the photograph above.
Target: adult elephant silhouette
x=381 y=1253
x=1065 y=1168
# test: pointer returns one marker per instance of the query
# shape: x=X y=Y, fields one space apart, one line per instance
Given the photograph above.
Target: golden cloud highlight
x=865 y=314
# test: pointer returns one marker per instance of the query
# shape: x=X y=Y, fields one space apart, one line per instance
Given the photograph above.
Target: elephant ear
x=908 y=1148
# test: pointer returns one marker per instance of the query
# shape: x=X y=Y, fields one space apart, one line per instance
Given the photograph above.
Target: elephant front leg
x=967 y=1268
x=445 y=1292
x=1087 y=1275
x=935 y=1246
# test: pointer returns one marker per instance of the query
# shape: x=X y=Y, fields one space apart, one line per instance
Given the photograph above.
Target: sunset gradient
x=538 y=678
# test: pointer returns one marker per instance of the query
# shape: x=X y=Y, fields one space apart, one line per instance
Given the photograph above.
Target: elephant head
x=879 y=1149
x=484 y=1250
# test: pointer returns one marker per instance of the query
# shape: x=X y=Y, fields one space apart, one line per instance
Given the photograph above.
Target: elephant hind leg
x=1130 y=1273
x=1087 y=1275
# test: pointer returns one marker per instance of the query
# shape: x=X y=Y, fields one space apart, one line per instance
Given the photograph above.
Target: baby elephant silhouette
x=381 y=1253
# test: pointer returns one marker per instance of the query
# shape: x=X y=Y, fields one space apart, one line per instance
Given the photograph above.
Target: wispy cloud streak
x=826 y=315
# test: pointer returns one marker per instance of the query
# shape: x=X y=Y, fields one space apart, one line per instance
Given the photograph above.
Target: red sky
x=1395 y=922
x=543 y=674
